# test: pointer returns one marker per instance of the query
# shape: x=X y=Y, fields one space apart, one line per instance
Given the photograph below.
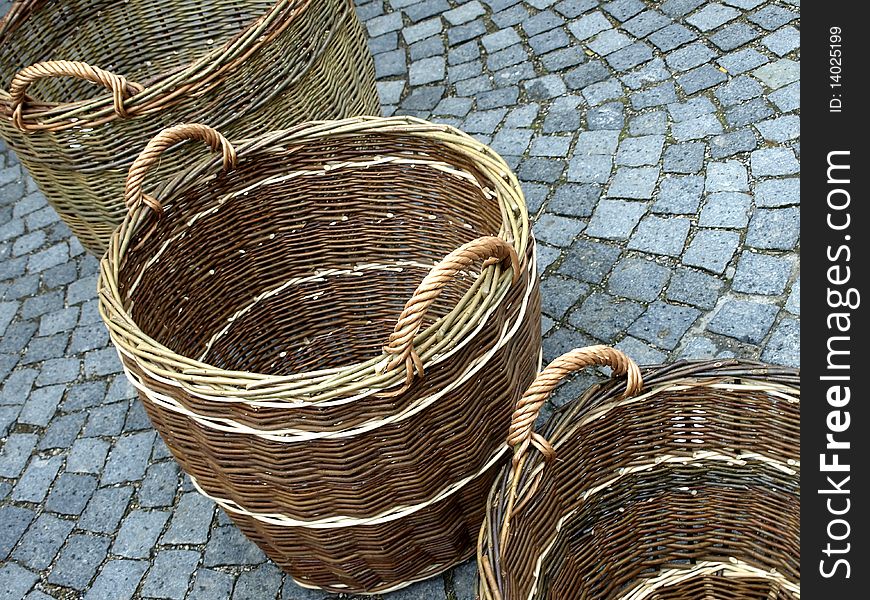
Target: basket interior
x=283 y=266
x=138 y=39
x=610 y=520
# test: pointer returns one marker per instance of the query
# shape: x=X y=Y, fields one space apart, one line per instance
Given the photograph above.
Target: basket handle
x=150 y=155
x=121 y=88
x=521 y=434
x=400 y=345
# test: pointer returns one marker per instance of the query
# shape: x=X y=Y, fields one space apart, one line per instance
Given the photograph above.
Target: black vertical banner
x=835 y=425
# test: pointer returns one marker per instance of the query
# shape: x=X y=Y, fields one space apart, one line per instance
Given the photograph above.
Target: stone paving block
x=41 y=405
x=750 y=112
x=645 y=23
x=547 y=170
x=383 y=24
x=772 y=17
x=542 y=22
x=191 y=519
x=742 y=61
x=500 y=39
x=642 y=353
x=659 y=235
x=262 y=582
x=589 y=261
x=601 y=92
x=33 y=484
x=553 y=146
x=15 y=340
x=562 y=340
x=659 y=95
x=70 y=494
x=542 y=88
x=701 y=78
x=426 y=70
x=698 y=348
x=463 y=53
x=663 y=324
x=228 y=546
x=680 y=8
x=638 y=279
x=783 y=347
x=774 y=161
x=514 y=15
x=671 y=37
x=556 y=230
x=774 y=229
x=214 y=585
x=536 y=194
x=697 y=128
x=712 y=16
x=590 y=169
x=679 y=195
x=729 y=144
x=727 y=176
x=606 y=116
x=604 y=316
x=586 y=75
x=655 y=122
x=690 y=56
x=780 y=129
x=78 y=561
x=652 y=72
x=743 y=320
x=574 y=8
x=738 y=90
x=788 y=98
x=170 y=574
x=106 y=420
x=14 y=521
x=623 y=10
x=159 y=485
x=458 y=107
x=117 y=580
x=138 y=533
x=640 y=151
x=547 y=255
x=762 y=274
x=575 y=200
x=726 y=209
x=558 y=295
x=615 y=219
x=15 y=454
x=129 y=458
x=589 y=25
x=512 y=55
x=59 y=321
x=511 y=75
x=778 y=74
x=684 y=158
x=16 y=580
x=782 y=41
x=772 y=193
x=711 y=249
x=522 y=116
x=87 y=455
x=41 y=542
x=562 y=59
x=694 y=287
x=633 y=182
x=608 y=41
x=105 y=509
x=734 y=36
x=137 y=418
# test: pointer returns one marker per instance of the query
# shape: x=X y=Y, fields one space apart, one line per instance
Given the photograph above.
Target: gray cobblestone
x=638 y=279
x=735 y=142
x=690 y=56
x=742 y=61
x=726 y=209
x=728 y=176
x=575 y=200
x=589 y=261
x=117 y=580
x=14 y=521
x=671 y=37
x=762 y=274
x=684 y=158
x=586 y=74
x=608 y=41
x=624 y=9
x=783 y=348
x=778 y=74
x=772 y=193
x=649 y=123
x=549 y=41
x=463 y=53
x=664 y=324
x=697 y=128
x=642 y=353
x=70 y=494
x=547 y=170
x=743 y=320
x=711 y=249
x=695 y=288
x=562 y=59
x=104 y=511
x=589 y=25
x=590 y=169
x=640 y=151
x=615 y=219
x=262 y=582
x=772 y=17
x=658 y=235
x=541 y=22
x=548 y=86
x=787 y=98
x=213 y=585
x=604 y=316
x=87 y=456
x=16 y=580
x=734 y=36
x=633 y=182
x=701 y=78
x=62 y=431
x=106 y=420
x=36 y=479
x=645 y=23
x=738 y=90
x=40 y=406
x=607 y=116
x=559 y=295
x=514 y=15
x=750 y=112
x=780 y=129
x=228 y=546
x=603 y=91
x=15 y=453
x=43 y=539
x=774 y=161
x=139 y=531
x=712 y=16
x=429 y=47
x=170 y=574
x=774 y=229
x=553 y=146
x=159 y=485
x=679 y=195
x=690 y=109
x=651 y=72
x=190 y=521
x=78 y=561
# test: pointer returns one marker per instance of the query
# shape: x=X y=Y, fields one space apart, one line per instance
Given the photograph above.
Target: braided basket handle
x=400 y=345
x=150 y=155
x=521 y=434
x=121 y=88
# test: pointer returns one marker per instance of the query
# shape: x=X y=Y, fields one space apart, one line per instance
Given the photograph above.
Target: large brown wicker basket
x=686 y=489
x=331 y=334
x=243 y=67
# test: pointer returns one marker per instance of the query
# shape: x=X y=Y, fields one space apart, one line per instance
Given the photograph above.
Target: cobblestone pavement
x=658 y=145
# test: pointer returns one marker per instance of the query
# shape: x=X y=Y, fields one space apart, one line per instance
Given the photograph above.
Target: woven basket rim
x=162 y=87
x=362 y=378
x=566 y=422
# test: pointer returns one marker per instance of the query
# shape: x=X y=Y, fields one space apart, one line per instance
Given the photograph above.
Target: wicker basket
x=278 y=317
x=684 y=490
x=243 y=67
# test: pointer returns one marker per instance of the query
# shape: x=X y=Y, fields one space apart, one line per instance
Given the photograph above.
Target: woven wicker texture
x=330 y=327
x=86 y=83
x=685 y=486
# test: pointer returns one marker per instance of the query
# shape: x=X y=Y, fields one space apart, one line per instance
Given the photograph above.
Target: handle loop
x=521 y=434
x=400 y=345
x=121 y=88
x=150 y=155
